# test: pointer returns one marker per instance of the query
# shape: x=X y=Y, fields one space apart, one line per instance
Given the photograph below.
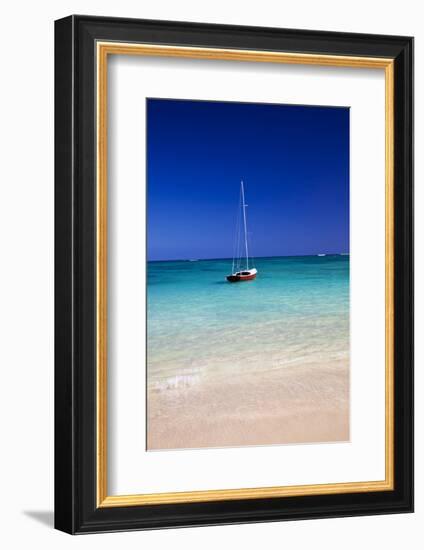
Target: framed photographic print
x=234 y=272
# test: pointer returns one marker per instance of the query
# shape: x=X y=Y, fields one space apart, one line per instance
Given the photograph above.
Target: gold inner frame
x=104 y=49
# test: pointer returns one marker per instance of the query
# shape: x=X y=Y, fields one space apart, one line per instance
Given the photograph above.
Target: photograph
x=248 y=339
x=233 y=274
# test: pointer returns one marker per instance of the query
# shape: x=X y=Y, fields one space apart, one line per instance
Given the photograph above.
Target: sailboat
x=237 y=273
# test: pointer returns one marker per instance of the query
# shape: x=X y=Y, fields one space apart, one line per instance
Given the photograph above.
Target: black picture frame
x=76 y=510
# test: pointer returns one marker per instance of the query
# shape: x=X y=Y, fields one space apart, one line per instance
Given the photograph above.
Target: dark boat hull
x=239 y=278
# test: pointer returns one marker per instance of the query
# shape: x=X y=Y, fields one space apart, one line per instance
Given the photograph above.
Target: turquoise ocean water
x=201 y=328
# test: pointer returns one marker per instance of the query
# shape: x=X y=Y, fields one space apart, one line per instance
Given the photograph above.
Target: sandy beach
x=285 y=406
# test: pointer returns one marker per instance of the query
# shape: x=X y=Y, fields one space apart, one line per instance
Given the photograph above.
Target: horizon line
x=254 y=257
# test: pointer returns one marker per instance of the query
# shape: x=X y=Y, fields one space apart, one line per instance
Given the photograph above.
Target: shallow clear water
x=201 y=328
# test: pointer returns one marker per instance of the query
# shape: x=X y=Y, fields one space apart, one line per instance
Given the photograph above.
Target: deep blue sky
x=294 y=161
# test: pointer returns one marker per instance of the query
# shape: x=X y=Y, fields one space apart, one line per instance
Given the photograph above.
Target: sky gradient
x=294 y=161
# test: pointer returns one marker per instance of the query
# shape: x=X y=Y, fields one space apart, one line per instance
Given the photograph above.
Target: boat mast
x=245 y=225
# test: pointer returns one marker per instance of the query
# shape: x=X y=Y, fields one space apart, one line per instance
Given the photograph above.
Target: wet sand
x=294 y=404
